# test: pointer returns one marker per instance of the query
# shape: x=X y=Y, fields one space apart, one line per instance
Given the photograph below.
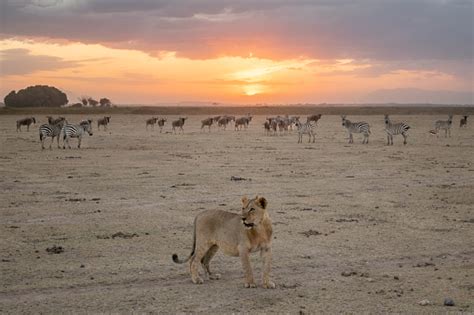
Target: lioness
x=236 y=235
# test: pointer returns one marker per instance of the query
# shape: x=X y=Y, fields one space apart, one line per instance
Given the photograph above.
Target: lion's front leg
x=266 y=254
x=244 y=256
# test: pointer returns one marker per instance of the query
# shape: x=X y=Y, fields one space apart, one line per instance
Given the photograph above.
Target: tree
x=36 y=96
x=105 y=102
x=92 y=102
x=83 y=100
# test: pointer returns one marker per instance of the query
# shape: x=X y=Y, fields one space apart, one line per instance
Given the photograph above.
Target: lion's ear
x=262 y=202
x=245 y=200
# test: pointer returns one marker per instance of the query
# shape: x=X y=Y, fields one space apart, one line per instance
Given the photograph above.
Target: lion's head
x=253 y=211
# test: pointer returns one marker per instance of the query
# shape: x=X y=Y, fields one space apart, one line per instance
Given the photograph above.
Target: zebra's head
x=387 y=119
x=450 y=118
x=343 y=117
x=87 y=126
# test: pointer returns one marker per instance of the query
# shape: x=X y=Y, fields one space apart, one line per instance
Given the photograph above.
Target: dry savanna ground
x=357 y=228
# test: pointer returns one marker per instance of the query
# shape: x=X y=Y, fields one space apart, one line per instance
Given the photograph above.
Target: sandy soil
x=357 y=228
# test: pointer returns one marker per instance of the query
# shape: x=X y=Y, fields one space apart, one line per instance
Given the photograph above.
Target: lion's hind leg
x=200 y=253
x=207 y=259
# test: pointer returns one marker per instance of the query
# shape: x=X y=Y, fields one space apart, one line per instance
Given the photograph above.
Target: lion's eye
x=252 y=209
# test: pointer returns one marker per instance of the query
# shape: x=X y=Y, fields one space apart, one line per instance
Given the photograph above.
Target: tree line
x=49 y=96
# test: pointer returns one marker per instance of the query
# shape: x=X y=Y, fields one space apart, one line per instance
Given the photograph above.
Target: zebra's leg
x=51 y=144
x=42 y=142
x=79 y=139
x=404 y=138
x=351 y=140
x=27 y=127
x=314 y=138
x=58 y=141
x=449 y=132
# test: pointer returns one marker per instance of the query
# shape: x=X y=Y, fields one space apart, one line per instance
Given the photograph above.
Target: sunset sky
x=241 y=52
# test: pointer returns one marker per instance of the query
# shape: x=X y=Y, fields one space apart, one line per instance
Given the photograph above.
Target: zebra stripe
x=394 y=129
x=444 y=124
x=48 y=130
x=75 y=131
x=356 y=127
x=306 y=128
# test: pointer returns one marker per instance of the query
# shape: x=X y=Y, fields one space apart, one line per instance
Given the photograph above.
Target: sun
x=253 y=89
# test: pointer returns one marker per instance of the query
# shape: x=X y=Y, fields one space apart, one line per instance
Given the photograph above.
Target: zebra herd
x=59 y=127
x=284 y=124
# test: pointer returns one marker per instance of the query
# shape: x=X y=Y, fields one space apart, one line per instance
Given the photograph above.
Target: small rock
x=348 y=273
x=370 y=280
x=448 y=302
x=396 y=278
x=424 y=302
x=55 y=249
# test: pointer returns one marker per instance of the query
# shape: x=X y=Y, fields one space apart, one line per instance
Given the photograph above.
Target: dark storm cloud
x=21 y=62
x=369 y=29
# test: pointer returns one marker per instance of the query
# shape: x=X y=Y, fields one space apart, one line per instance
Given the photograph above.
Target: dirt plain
x=357 y=228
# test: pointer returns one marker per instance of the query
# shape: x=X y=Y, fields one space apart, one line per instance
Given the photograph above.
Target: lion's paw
x=250 y=285
x=269 y=285
x=198 y=280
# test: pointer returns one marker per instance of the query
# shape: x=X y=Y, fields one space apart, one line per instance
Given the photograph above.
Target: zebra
x=207 y=122
x=25 y=122
x=463 y=122
x=444 y=124
x=103 y=122
x=356 y=127
x=76 y=131
x=393 y=129
x=293 y=120
x=50 y=130
x=161 y=123
x=151 y=121
x=306 y=128
x=179 y=123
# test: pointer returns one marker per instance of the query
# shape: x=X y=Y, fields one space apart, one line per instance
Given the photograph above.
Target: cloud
x=385 y=29
x=21 y=62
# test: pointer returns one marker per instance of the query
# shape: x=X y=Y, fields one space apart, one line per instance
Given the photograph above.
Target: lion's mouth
x=248 y=225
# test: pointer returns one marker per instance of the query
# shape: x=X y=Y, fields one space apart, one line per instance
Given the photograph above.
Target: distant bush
x=36 y=96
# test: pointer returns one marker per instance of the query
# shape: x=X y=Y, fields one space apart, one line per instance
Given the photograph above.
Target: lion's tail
x=175 y=256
